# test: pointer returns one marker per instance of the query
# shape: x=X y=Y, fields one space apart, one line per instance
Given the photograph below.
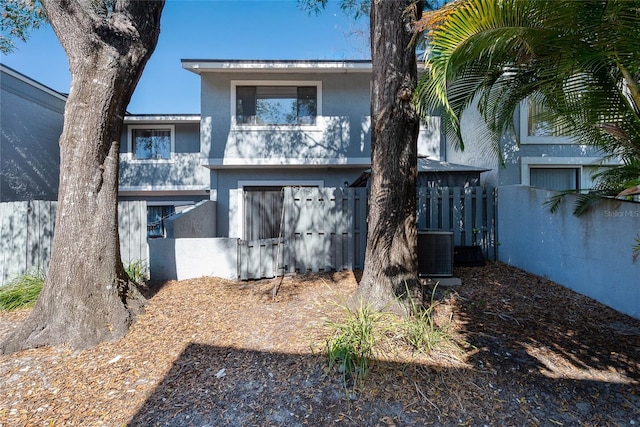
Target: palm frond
x=579 y=60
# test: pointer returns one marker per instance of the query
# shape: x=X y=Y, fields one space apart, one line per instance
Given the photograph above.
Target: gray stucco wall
x=31 y=122
x=198 y=221
x=335 y=151
x=342 y=131
x=591 y=254
x=196 y=258
x=184 y=169
x=478 y=151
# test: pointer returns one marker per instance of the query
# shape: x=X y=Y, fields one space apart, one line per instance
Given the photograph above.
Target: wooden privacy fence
x=468 y=212
x=324 y=229
x=26 y=235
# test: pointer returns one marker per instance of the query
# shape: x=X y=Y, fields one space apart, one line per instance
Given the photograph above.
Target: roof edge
x=314 y=65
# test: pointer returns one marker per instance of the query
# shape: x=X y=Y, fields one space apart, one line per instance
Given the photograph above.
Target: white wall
x=197 y=258
x=591 y=254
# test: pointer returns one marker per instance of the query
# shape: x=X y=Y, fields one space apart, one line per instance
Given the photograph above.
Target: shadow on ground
x=533 y=355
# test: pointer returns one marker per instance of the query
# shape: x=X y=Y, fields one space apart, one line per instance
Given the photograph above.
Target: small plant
x=420 y=331
x=351 y=346
x=137 y=271
x=22 y=291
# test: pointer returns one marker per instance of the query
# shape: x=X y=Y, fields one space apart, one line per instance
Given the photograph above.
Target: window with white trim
x=536 y=129
x=151 y=142
x=562 y=173
x=275 y=103
x=559 y=179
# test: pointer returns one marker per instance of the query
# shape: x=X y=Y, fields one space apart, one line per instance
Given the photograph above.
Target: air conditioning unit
x=435 y=254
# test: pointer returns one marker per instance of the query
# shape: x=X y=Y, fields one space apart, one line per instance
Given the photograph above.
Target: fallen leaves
x=214 y=352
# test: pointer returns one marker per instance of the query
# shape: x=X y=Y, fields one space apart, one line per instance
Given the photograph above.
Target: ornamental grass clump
x=137 y=271
x=21 y=292
x=419 y=329
x=352 y=344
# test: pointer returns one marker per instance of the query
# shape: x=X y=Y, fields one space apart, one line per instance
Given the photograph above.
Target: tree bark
x=87 y=297
x=391 y=265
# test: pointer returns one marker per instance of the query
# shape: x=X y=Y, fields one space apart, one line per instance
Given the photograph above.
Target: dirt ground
x=209 y=352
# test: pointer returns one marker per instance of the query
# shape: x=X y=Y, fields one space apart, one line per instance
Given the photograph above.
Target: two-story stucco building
x=263 y=125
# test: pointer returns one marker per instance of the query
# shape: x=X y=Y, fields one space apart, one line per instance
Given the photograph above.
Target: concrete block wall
x=591 y=254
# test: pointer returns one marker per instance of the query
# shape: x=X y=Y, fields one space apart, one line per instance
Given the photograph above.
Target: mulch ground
x=209 y=352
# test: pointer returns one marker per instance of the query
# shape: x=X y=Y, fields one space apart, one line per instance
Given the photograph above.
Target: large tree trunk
x=391 y=264
x=87 y=297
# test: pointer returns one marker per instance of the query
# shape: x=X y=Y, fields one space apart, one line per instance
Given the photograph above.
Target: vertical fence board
x=288 y=230
x=467 y=223
x=479 y=223
x=491 y=240
x=14 y=237
x=434 y=213
x=360 y=227
x=445 y=196
x=421 y=208
x=457 y=217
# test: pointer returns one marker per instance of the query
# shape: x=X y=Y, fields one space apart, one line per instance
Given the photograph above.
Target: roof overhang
x=28 y=80
x=162 y=118
x=426 y=165
x=200 y=66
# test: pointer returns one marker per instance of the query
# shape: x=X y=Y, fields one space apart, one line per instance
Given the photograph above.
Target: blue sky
x=209 y=29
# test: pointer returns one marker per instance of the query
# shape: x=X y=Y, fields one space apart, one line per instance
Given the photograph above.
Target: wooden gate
x=323 y=229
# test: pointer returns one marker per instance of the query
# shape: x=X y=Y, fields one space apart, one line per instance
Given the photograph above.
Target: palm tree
x=578 y=60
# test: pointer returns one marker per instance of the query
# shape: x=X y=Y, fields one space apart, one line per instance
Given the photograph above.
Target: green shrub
x=21 y=292
x=365 y=333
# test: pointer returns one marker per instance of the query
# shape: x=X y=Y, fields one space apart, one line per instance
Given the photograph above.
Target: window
x=535 y=128
x=151 y=143
x=558 y=179
x=562 y=173
x=276 y=103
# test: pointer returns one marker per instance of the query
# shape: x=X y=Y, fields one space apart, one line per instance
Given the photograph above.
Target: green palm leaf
x=579 y=61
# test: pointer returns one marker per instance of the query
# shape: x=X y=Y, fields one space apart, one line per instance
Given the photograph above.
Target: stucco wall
x=591 y=254
x=195 y=221
x=184 y=169
x=197 y=258
x=479 y=151
x=342 y=129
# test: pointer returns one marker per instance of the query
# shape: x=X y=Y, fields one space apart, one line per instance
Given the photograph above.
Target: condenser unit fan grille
x=435 y=253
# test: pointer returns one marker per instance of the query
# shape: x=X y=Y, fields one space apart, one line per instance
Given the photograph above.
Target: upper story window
x=535 y=129
x=276 y=103
x=151 y=142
